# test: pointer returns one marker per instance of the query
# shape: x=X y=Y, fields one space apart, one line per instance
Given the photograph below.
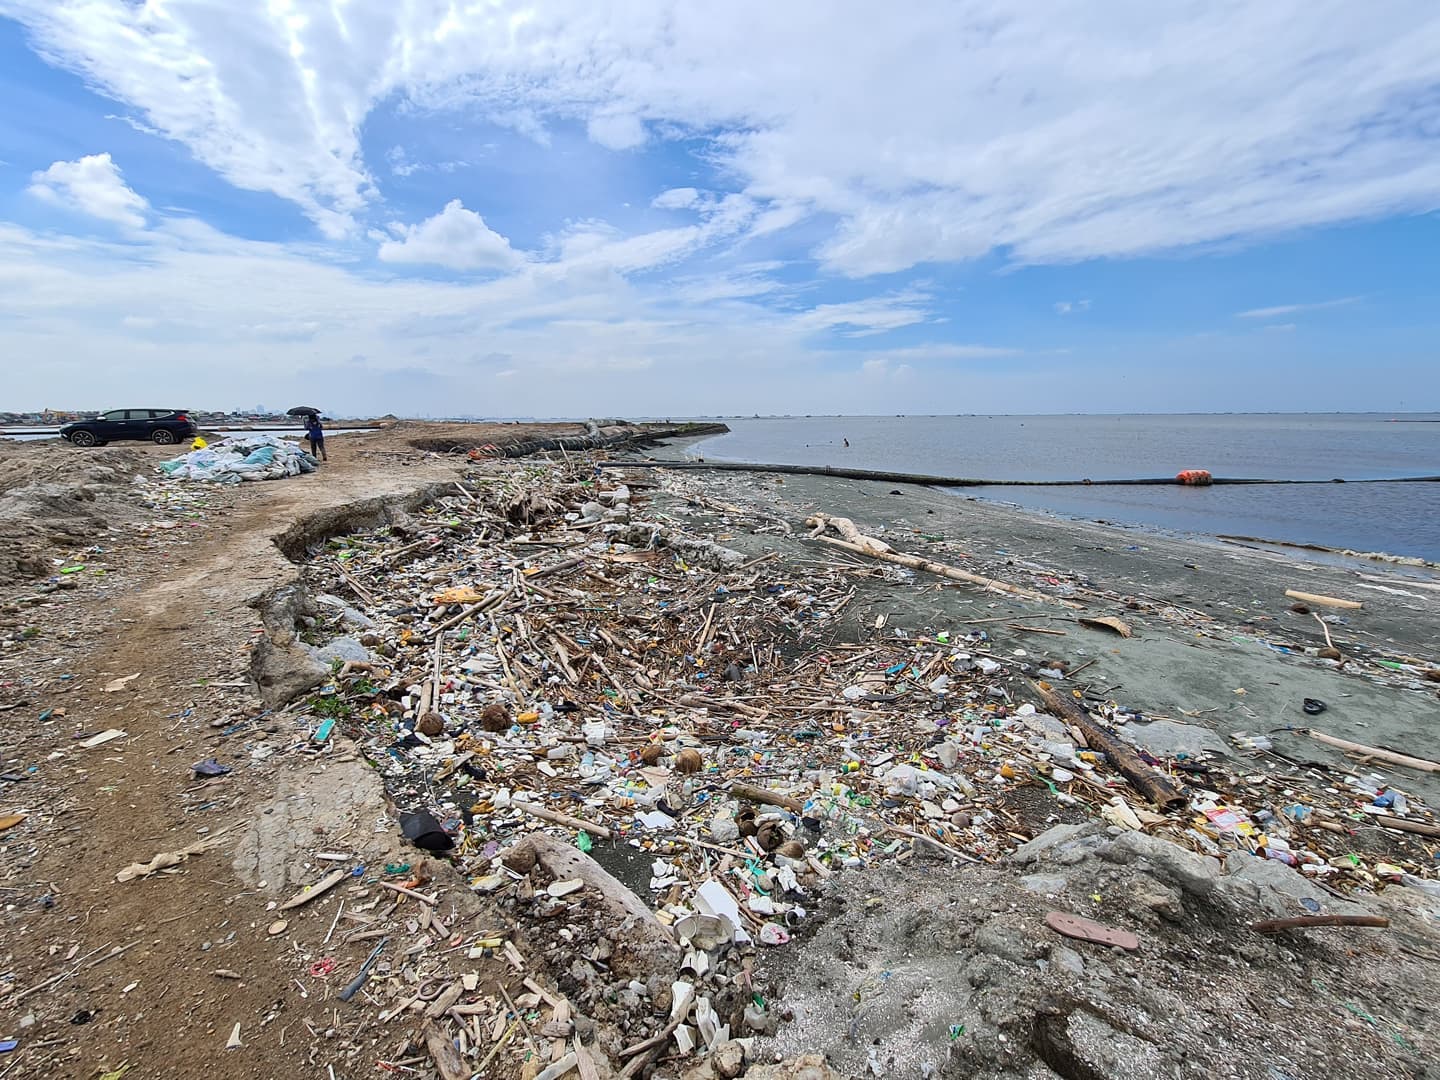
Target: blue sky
x=674 y=208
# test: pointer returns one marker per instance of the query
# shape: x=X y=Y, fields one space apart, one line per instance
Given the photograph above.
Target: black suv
x=163 y=426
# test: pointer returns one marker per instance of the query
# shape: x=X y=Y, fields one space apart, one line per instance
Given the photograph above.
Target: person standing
x=315 y=432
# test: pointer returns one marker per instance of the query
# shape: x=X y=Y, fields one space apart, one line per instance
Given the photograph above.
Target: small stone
x=729 y=1060
x=1067 y=959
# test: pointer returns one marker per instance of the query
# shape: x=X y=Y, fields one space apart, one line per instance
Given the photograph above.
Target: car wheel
x=82 y=438
x=163 y=437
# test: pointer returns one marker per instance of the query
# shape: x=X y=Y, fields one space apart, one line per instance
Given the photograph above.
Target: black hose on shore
x=958 y=481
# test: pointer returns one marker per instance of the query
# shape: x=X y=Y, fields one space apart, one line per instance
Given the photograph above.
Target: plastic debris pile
x=532 y=657
x=253 y=456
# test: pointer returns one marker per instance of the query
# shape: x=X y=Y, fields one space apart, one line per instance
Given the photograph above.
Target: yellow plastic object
x=198 y=444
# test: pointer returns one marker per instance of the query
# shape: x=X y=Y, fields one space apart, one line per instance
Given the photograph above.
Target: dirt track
x=172 y=609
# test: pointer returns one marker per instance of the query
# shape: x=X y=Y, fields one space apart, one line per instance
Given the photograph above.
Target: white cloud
x=1294 y=309
x=1071 y=307
x=965 y=127
x=680 y=198
x=455 y=237
x=92 y=185
x=863 y=318
x=617 y=131
x=880 y=367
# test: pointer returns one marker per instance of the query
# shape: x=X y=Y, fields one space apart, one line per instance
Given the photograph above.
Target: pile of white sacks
x=252 y=456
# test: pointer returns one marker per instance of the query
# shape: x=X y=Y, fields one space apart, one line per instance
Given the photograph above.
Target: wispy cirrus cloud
x=1282 y=310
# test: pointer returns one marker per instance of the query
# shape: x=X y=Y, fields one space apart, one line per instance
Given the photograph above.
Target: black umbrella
x=302 y=410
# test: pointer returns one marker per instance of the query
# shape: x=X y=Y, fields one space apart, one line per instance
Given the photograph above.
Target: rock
x=1193 y=874
x=349 y=617
x=1050 y=840
x=1276 y=888
x=1161 y=899
x=284 y=670
x=1044 y=884
x=344 y=649
x=1008 y=943
x=1169 y=738
x=1067 y=959
x=1080 y=1044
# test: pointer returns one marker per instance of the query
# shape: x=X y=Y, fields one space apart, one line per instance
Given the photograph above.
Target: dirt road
x=170 y=610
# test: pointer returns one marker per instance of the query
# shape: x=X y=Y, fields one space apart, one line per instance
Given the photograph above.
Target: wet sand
x=1215 y=640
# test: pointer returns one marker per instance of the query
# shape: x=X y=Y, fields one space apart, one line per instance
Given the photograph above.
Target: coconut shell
x=430 y=724
x=791 y=849
x=495 y=718
x=770 y=835
x=519 y=859
x=689 y=761
x=652 y=753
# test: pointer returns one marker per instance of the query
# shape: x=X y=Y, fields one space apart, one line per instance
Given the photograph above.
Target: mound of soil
x=55 y=498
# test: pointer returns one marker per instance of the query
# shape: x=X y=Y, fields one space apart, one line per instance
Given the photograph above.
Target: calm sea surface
x=1403 y=519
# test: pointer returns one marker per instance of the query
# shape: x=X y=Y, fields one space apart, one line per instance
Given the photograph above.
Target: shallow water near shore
x=1402 y=519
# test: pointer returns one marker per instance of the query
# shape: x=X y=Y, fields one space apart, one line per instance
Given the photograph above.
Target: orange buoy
x=1194 y=477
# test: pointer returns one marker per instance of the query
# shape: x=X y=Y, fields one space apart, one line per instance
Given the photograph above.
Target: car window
x=113 y=414
x=160 y=414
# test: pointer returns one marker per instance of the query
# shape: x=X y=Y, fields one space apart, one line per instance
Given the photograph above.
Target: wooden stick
x=355 y=585
x=1374 y=752
x=320 y=888
x=1419 y=828
x=1323 y=601
x=431 y=900
x=561 y=819
x=564 y=564
x=1271 y=926
x=1154 y=785
x=484 y=604
x=914 y=562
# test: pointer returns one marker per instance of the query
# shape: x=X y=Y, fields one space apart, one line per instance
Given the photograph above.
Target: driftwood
x=914 y=562
x=448 y=1062
x=1271 y=926
x=766 y=797
x=313 y=892
x=1416 y=827
x=1323 y=601
x=817 y=523
x=643 y=944
x=1374 y=752
x=1155 y=786
x=562 y=819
